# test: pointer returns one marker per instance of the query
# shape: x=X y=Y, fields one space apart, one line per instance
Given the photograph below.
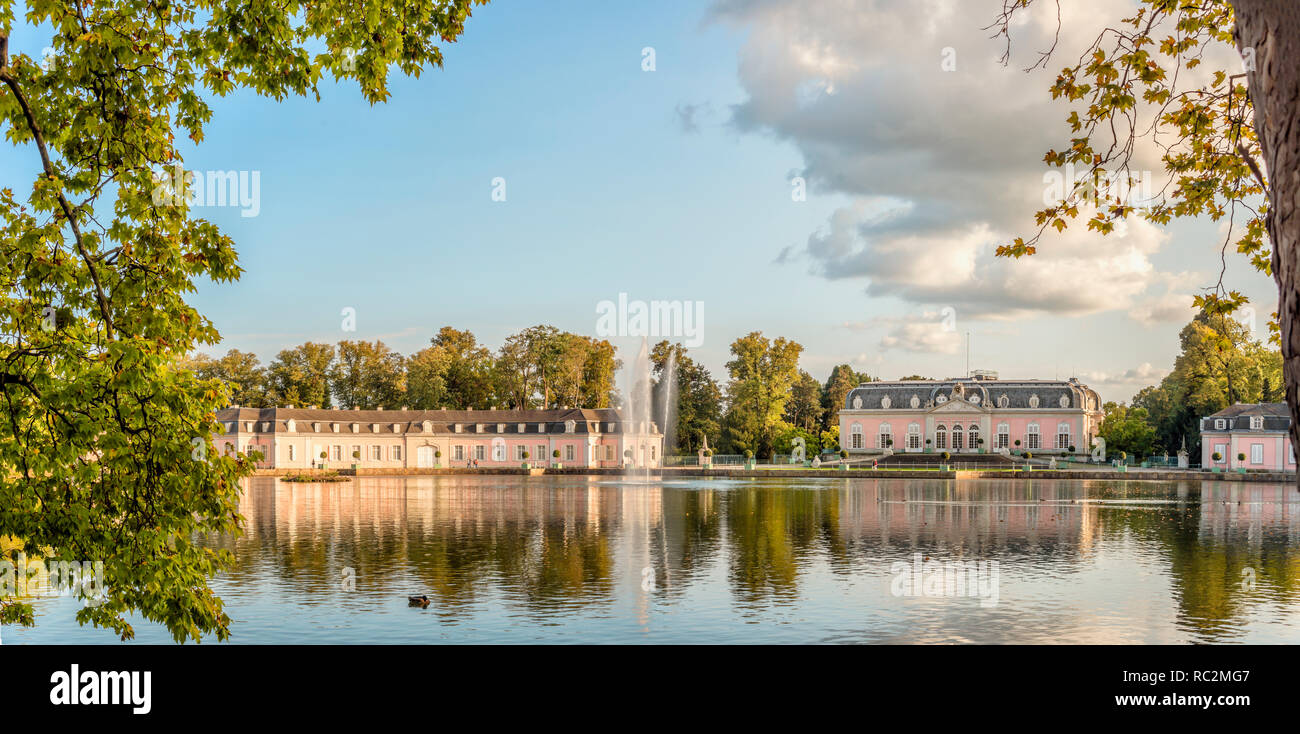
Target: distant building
x=1260 y=431
x=397 y=439
x=969 y=414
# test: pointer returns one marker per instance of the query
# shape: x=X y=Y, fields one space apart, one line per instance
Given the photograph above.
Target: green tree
x=466 y=370
x=105 y=450
x=1226 y=137
x=843 y=378
x=300 y=376
x=527 y=366
x=698 y=404
x=804 y=409
x=241 y=372
x=762 y=372
x=368 y=376
x=1127 y=429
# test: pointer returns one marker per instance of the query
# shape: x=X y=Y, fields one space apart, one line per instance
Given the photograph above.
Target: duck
x=418 y=601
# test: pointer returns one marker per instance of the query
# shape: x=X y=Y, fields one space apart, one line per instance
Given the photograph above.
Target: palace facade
x=969 y=415
x=295 y=438
x=1259 y=432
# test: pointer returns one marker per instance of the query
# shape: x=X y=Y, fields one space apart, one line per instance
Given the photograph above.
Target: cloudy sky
x=673 y=180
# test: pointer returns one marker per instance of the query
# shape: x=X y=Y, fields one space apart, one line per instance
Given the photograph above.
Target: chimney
x=381 y=407
x=470 y=408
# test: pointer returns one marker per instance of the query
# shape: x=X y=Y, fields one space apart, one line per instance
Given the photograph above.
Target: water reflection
x=593 y=560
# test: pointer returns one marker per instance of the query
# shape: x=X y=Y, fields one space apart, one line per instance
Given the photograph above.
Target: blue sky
x=388 y=209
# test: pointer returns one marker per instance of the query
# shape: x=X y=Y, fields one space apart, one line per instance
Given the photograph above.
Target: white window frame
x=1257 y=453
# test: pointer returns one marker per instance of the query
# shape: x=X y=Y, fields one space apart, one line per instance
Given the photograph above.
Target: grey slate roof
x=1277 y=417
x=1018 y=393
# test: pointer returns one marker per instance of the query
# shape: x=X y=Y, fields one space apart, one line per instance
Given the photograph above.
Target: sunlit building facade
x=970 y=415
x=1248 y=436
x=296 y=438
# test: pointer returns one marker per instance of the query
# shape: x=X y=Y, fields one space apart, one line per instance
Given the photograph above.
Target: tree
x=697 y=412
x=368 y=376
x=466 y=370
x=1126 y=429
x=426 y=382
x=842 y=379
x=105 y=450
x=1227 y=138
x=762 y=373
x=242 y=374
x=526 y=367
x=804 y=409
x=300 y=376
x=1220 y=364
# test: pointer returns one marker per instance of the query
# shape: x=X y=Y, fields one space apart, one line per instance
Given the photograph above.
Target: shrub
x=555 y=454
x=437 y=454
x=1017 y=443
x=1072 y=449
x=526 y=455
x=1216 y=456
x=356 y=455
x=749 y=454
x=844 y=454
x=1241 y=457
x=928 y=442
x=946 y=456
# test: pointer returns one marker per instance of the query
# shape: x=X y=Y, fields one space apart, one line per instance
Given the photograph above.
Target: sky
x=674 y=181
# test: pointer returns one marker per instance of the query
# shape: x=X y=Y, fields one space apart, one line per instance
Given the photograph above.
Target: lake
x=569 y=559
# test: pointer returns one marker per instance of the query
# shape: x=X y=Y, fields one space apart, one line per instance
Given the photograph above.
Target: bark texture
x=1272 y=29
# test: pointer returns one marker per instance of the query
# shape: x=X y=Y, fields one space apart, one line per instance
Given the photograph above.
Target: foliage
x=105 y=450
x=1127 y=430
x=762 y=373
x=698 y=408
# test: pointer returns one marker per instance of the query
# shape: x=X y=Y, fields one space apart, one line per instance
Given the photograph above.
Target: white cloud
x=940 y=166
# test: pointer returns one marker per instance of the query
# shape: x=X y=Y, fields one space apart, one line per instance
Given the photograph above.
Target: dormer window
x=427 y=426
x=374 y=428
x=612 y=427
x=334 y=427
x=290 y=425
x=541 y=428
x=356 y=427
x=1256 y=422
x=397 y=428
x=501 y=428
x=570 y=426
x=248 y=426
x=456 y=428
x=266 y=426
x=478 y=427
x=315 y=427
x=1220 y=424
x=523 y=428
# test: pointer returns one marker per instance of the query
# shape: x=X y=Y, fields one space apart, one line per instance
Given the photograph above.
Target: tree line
x=765 y=402
x=1220 y=363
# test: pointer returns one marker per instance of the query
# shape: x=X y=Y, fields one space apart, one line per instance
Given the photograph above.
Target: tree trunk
x=1272 y=29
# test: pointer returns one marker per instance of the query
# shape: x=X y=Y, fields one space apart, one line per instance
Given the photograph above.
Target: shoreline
x=1148 y=475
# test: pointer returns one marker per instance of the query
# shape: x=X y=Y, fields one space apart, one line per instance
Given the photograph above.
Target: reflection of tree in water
x=771 y=533
x=687 y=539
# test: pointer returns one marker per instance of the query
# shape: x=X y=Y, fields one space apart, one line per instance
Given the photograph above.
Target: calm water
x=598 y=560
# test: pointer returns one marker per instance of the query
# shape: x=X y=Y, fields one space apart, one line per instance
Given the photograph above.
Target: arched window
x=957 y=441
x=1063 y=435
x=941 y=436
x=1032 y=438
x=973 y=436
x=1004 y=436
x=885 y=438
x=914 y=435
x=855 y=436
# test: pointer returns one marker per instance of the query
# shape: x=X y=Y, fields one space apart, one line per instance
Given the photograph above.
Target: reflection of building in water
x=975 y=515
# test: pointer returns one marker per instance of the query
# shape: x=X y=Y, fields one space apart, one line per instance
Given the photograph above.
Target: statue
x=798 y=451
x=1099 y=449
x=1182 y=454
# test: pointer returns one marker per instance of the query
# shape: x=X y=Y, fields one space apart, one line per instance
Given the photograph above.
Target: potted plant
x=526 y=465
x=1123 y=457
x=1217 y=457
x=749 y=459
x=979 y=443
x=945 y=456
x=1028 y=455
x=322 y=459
x=1017 y=451
x=1241 y=459
x=627 y=456
x=928 y=447
x=556 y=455
x=437 y=459
x=356 y=457
x=844 y=455
x=708 y=458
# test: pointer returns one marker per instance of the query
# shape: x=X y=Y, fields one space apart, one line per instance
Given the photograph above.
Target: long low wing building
x=300 y=438
x=969 y=415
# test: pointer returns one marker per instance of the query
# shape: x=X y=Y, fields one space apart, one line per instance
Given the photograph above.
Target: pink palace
x=295 y=438
x=969 y=415
x=1248 y=436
